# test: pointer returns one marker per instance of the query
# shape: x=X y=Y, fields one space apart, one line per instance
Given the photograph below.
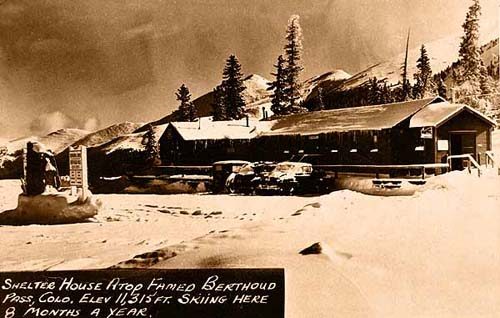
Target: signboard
x=25 y=163
x=426 y=133
x=78 y=167
x=173 y=293
x=442 y=145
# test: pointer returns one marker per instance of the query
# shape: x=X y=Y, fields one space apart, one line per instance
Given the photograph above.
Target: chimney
x=247 y=121
x=263 y=113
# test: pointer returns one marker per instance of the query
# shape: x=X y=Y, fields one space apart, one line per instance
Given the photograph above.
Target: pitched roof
x=214 y=130
x=436 y=114
x=375 y=117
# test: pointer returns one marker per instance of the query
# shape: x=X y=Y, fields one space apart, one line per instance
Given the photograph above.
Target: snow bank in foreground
x=49 y=209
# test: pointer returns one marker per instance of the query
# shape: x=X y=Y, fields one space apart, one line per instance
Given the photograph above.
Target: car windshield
x=246 y=168
x=283 y=167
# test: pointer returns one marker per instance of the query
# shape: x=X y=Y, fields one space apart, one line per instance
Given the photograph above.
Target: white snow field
x=433 y=254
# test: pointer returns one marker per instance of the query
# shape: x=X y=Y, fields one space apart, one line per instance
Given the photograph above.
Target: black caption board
x=187 y=293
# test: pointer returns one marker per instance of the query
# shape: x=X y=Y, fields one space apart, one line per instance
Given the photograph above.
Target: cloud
x=92 y=124
x=50 y=122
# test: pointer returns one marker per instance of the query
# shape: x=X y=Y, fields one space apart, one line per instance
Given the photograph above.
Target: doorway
x=462 y=142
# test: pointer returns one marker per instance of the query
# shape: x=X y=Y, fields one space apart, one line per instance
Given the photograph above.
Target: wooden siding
x=466 y=121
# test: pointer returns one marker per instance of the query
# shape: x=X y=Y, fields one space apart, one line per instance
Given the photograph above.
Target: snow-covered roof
x=436 y=114
x=214 y=130
x=375 y=117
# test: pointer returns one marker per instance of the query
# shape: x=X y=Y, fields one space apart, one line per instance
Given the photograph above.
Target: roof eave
x=470 y=109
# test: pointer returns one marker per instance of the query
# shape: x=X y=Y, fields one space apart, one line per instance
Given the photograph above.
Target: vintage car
x=221 y=170
x=248 y=177
x=292 y=178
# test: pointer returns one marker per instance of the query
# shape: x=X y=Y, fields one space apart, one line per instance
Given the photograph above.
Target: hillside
x=60 y=140
x=56 y=141
x=328 y=81
x=490 y=52
x=130 y=141
x=109 y=133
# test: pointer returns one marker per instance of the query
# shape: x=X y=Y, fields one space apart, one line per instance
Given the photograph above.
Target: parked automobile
x=248 y=177
x=293 y=178
x=221 y=170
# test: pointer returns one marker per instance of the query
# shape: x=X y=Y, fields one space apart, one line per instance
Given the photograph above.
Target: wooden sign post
x=78 y=172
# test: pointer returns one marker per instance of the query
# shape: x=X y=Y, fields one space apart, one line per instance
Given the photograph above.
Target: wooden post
x=423 y=173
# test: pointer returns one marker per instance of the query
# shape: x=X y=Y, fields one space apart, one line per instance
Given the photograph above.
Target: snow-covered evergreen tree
x=219 y=107
x=321 y=101
x=187 y=110
x=152 y=153
x=441 y=88
x=278 y=97
x=293 y=53
x=374 y=92
x=469 y=52
x=232 y=88
x=386 y=95
x=423 y=76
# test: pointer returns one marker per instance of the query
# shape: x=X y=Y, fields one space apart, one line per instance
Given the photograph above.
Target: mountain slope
x=130 y=141
x=109 y=133
x=56 y=141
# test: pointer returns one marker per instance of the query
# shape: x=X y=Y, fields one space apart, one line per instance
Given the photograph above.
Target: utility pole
x=405 y=68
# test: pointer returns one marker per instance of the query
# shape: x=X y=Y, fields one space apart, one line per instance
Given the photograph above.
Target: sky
x=88 y=64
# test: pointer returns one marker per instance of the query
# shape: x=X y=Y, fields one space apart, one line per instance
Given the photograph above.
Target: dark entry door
x=460 y=144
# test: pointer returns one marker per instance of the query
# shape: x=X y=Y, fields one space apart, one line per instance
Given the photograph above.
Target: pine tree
x=151 y=146
x=233 y=88
x=386 y=94
x=321 y=102
x=218 y=105
x=470 y=53
x=423 y=75
x=374 y=92
x=293 y=52
x=485 y=81
x=441 y=87
x=187 y=110
x=278 y=97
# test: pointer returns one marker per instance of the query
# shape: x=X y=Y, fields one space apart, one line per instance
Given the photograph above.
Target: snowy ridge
x=442 y=53
x=132 y=142
x=56 y=141
x=104 y=135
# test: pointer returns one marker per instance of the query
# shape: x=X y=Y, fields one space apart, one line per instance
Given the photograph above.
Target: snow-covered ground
x=433 y=254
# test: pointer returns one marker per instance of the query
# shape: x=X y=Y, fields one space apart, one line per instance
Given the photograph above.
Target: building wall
x=175 y=150
x=349 y=148
x=409 y=147
x=399 y=145
x=463 y=122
